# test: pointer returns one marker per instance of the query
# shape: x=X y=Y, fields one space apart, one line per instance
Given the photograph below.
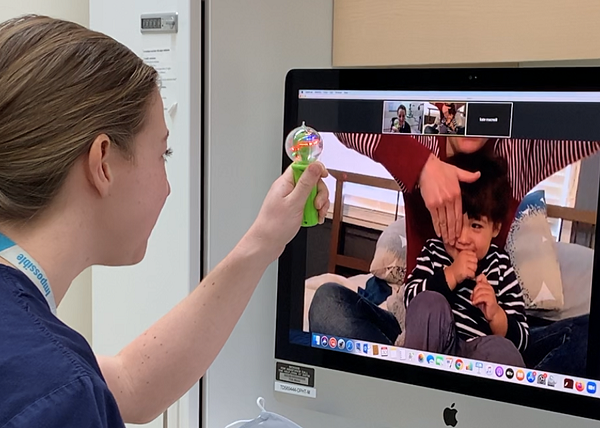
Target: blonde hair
x=62 y=86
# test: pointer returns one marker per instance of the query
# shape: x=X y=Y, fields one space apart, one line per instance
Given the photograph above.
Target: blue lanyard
x=19 y=258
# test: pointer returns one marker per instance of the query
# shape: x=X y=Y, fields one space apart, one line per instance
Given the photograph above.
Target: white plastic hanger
x=261 y=405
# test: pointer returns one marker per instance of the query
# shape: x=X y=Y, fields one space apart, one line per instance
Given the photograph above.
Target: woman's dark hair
x=401 y=107
x=489 y=195
x=451 y=108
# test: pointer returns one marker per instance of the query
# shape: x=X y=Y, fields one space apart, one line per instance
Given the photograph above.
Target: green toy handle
x=311 y=215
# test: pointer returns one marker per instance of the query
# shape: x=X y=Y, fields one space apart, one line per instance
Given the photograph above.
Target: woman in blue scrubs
x=83 y=144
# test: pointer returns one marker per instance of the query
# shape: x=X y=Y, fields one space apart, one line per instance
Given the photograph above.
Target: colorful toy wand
x=303 y=145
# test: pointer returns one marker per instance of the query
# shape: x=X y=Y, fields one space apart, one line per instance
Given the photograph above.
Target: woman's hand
x=440 y=190
x=281 y=214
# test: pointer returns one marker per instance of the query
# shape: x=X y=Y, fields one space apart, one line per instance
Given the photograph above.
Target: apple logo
x=450 y=416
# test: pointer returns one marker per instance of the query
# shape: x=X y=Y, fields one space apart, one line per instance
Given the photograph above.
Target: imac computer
x=455 y=272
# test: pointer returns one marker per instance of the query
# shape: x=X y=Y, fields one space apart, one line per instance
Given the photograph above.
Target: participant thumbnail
x=445 y=118
x=489 y=119
x=404 y=117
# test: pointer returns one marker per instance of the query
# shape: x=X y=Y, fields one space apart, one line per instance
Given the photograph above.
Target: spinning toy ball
x=303 y=145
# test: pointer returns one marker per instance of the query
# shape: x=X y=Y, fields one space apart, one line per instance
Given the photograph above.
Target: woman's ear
x=99 y=171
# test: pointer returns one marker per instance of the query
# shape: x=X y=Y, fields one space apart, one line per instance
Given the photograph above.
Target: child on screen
x=465 y=300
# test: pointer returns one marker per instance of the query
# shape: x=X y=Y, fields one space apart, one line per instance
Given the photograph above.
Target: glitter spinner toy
x=304 y=145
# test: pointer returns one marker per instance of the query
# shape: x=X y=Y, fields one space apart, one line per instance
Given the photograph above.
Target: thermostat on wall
x=159 y=23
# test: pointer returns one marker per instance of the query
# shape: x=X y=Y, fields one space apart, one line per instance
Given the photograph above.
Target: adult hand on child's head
x=282 y=211
x=440 y=189
x=484 y=297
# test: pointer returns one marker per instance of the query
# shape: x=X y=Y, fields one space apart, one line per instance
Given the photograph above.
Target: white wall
x=76 y=307
x=71 y=10
x=126 y=301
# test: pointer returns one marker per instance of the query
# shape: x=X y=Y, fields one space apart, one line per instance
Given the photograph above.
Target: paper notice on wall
x=163 y=61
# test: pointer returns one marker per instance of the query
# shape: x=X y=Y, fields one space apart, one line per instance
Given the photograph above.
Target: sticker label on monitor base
x=290 y=388
x=291 y=373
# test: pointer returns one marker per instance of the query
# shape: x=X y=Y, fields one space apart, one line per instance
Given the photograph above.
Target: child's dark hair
x=490 y=194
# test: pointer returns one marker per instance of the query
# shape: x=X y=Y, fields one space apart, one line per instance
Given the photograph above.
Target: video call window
x=538 y=259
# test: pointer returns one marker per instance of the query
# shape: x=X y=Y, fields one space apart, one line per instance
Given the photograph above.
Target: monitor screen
x=458 y=251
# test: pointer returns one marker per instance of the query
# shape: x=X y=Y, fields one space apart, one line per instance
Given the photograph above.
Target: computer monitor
x=377 y=291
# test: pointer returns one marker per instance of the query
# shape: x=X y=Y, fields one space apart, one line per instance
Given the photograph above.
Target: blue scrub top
x=49 y=376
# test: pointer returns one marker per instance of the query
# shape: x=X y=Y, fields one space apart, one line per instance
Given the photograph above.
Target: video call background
x=360 y=242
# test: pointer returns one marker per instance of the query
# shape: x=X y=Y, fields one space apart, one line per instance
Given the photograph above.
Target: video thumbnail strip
x=469 y=119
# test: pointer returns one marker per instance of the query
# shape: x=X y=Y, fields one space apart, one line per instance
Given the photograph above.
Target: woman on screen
x=433 y=208
x=399 y=124
x=431 y=186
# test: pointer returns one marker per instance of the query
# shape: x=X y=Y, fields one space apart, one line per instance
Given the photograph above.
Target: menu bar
x=513 y=96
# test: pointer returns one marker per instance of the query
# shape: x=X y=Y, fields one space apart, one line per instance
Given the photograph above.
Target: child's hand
x=484 y=297
x=464 y=267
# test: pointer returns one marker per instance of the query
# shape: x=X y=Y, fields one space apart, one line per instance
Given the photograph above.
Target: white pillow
x=576 y=267
x=389 y=261
x=531 y=247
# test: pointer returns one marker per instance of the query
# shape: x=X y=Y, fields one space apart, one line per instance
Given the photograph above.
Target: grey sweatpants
x=430 y=327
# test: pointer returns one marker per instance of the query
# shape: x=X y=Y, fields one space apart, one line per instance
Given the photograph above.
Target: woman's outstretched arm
x=159 y=366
